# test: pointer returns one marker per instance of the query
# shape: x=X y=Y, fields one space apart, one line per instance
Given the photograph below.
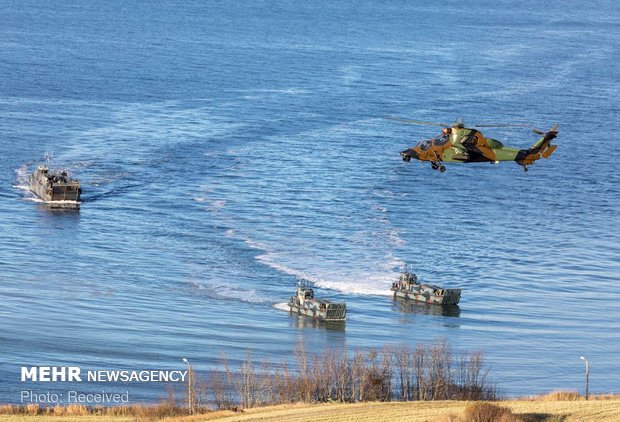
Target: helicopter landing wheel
x=442 y=168
x=434 y=166
x=525 y=169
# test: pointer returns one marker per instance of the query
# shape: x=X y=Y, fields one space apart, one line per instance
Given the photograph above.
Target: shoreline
x=551 y=407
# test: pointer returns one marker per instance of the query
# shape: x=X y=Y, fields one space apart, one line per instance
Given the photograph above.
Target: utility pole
x=190 y=404
x=587 y=374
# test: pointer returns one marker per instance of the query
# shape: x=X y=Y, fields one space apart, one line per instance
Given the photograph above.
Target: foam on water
x=362 y=284
x=282 y=306
x=38 y=200
x=218 y=204
x=21 y=176
x=356 y=283
x=287 y=91
x=231 y=291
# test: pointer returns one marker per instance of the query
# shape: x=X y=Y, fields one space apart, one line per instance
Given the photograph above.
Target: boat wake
x=227 y=292
x=53 y=203
x=282 y=306
x=353 y=282
x=21 y=177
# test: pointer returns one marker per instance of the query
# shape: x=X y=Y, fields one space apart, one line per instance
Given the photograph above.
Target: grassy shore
x=602 y=410
x=539 y=409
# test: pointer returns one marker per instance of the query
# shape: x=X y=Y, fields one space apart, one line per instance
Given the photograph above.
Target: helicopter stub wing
x=475 y=144
x=457 y=153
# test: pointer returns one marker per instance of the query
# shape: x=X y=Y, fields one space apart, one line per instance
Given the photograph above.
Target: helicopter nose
x=408 y=154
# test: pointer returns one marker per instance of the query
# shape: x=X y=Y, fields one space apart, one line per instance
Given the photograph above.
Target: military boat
x=305 y=303
x=408 y=287
x=55 y=188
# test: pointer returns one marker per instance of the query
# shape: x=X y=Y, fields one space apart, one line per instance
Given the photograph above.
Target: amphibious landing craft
x=459 y=144
x=57 y=189
x=305 y=303
x=408 y=287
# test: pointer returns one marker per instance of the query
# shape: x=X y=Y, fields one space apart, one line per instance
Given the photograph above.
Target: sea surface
x=228 y=150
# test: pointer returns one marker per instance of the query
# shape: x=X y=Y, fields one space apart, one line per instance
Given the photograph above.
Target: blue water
x=226 y=149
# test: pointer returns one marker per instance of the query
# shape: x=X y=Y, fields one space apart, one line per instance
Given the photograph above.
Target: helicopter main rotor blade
x=416 y=122
x=502 y=125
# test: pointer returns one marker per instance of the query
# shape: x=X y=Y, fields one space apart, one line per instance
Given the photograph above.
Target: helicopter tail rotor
x=547 y=137
x=541 y=149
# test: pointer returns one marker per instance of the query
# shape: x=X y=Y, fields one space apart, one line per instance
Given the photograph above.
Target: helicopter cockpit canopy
x=425 y=145
x=437 y=141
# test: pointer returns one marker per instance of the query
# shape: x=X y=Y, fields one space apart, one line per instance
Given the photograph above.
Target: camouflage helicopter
x=459 y=144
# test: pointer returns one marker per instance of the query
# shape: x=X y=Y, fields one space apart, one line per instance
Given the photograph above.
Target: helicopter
x=460 y=144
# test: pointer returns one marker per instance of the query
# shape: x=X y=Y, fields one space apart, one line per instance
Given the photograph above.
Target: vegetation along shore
x=430 y=382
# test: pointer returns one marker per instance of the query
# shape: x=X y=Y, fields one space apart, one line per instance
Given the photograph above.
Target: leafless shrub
x=488 y=412
x=33 y=409
x=8 y=409
x=29 y=409
x=71 y=410
x=436 y=372
x=562 y=396
x=150 y=412
x=428 y=372
x=606 y=397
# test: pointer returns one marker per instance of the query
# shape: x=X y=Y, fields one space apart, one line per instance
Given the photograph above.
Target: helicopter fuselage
x=458 y=144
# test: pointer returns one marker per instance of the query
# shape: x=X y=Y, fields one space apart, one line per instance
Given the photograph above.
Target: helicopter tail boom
x=541 y=149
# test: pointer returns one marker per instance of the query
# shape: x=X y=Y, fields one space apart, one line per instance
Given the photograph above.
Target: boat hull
x=56 y=193
x=332 y=312
x=448 y=296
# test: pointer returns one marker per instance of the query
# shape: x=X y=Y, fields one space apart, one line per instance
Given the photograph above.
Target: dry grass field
x=540 y=409
x=565 y=411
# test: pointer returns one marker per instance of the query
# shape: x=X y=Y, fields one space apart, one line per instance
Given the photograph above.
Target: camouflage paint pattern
x=458 y=144
x=304 y=303
x=407 y=287
x=407 y=306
